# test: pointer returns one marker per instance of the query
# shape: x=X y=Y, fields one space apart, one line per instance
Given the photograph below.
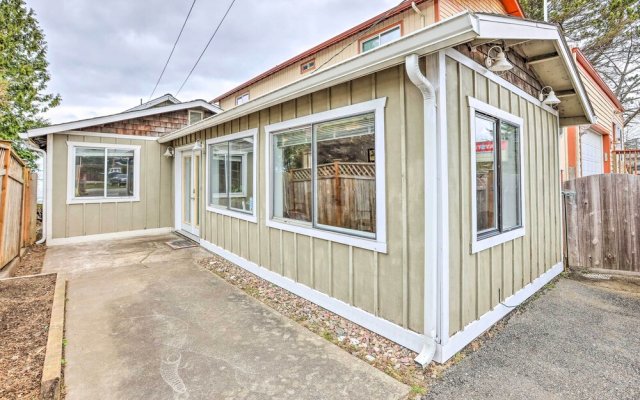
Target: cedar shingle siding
x=152 y=125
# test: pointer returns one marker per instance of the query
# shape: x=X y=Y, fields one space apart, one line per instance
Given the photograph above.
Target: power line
x=173 y=49
x=207 y=46
x=358 y=37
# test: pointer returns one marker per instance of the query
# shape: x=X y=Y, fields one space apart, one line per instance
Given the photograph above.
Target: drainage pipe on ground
x=428 y=351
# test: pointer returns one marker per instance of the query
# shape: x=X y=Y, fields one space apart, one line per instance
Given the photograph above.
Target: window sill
x=234 y=214
x=487 y=243
x=349 y=240
x=103 y=200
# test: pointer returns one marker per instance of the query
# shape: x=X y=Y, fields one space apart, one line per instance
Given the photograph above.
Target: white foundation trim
x=391 y=331
x=458 y=341
x=109 y=236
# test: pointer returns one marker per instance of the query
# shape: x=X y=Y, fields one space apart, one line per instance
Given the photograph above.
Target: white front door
x=188 y=191
x=591 y=153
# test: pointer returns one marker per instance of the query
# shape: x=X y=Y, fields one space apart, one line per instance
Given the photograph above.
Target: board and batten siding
x=387 y=285
x=475 y=279
x=153 y=210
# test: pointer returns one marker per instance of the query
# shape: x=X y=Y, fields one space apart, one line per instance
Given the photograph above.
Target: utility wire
x=358 y=37
x=173 y=49
x=207 y=46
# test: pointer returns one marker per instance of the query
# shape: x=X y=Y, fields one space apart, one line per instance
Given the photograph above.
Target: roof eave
x=106 y=119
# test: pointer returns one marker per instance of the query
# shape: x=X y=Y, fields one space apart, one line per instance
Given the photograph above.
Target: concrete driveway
x=578 y=341
x=145 y=322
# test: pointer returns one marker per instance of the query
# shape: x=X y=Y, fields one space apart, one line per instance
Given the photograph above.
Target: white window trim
x=478 y=245
x=71 y=152
x=194 y=112
x=253 y=217
x=379 y=36
x=380 y=243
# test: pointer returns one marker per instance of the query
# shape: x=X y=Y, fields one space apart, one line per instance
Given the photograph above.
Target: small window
x=380 y=39
x=103 y=173
x=307 y=66
x=497 y=164
x=195 y=116
x=231 y=166
x=243 y=98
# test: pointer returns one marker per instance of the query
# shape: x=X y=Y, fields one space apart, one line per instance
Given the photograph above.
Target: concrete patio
x=144 y=321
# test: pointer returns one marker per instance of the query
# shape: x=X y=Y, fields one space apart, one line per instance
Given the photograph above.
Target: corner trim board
x=461 y=339
x=391 y=331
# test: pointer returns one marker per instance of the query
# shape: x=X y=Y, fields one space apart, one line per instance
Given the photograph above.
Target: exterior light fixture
x=499 y=62
x=197 y=146
x=169 y=152
x=549 y=99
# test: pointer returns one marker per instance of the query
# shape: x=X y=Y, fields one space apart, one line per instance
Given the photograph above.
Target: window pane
x=218 y=174
x=486 y=201
x=241 y=174
x=194 y=117
x=346 y=174
x=370 y=44
x=510 y=175
x=186 y=189
x=390 y=36
x=120 y=173
x=89 y=172
x=292 y=174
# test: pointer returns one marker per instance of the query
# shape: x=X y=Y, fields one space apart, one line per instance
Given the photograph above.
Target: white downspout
x=430 y=209
x=43 y=154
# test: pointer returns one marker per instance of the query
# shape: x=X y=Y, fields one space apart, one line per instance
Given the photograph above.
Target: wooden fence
x=17 y=204
x=602 y=222
x=346 y=195
x=626 y=161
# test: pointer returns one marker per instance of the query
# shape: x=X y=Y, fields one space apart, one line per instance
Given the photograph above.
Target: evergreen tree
x=23 y=74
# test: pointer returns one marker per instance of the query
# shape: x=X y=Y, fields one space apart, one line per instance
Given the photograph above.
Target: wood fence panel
x=17 y=204
x=601 y=222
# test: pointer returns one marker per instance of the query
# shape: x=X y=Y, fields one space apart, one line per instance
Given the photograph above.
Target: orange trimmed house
x=390 y=25
x=589 y=149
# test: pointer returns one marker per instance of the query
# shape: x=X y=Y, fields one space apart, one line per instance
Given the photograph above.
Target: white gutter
x=430 y=209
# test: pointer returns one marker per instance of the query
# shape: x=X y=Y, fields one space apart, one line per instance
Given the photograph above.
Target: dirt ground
x=25 y=311
x=31 y=263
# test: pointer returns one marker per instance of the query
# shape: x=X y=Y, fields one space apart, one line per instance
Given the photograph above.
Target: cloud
x=106 y=56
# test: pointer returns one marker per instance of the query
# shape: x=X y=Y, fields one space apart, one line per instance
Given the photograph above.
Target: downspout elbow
x=430 y=209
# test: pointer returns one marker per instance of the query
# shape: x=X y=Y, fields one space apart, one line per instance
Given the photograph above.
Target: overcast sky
x=105 y=56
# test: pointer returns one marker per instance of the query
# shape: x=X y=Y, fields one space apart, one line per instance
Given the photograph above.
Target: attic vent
x=307 y=66
x=195 y=116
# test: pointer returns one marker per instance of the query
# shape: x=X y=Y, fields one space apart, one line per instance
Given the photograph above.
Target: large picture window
x=324 y=174
x=498 y=185
x=231 y=178
x=102 y=173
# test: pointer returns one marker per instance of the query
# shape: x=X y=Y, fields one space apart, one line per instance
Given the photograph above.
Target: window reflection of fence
x=626 y=161
x=346 y=195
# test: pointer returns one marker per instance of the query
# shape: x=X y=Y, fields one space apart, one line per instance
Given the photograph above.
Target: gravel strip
x=387 y=356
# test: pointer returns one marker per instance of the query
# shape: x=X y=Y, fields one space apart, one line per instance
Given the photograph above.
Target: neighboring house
x=106 y=175
x=407 y=188
x=388 y=26
x=591 y=149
